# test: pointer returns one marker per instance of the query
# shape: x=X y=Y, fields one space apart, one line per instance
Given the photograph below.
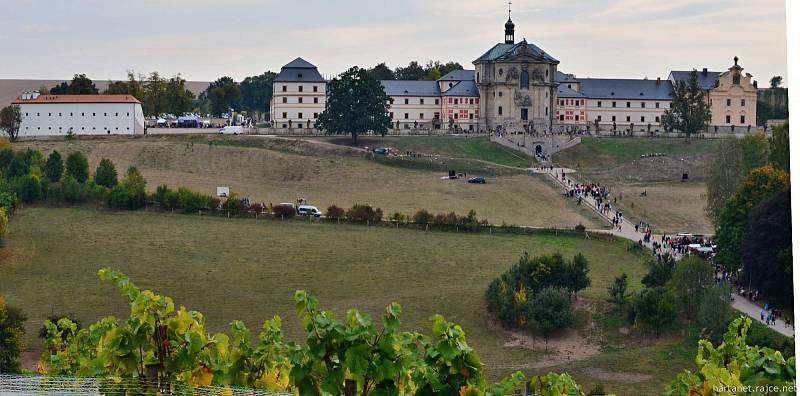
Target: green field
x=248 y=269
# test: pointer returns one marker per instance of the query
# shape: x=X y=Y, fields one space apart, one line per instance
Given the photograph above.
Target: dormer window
x=299 y=75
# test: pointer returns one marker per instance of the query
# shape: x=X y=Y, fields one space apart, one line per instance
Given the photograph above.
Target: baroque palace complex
x=517 y=86
x=514 y=86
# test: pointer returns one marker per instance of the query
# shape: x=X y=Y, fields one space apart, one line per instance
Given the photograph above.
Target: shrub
x=12 y=332
x=130 y=194
x=655 y=309
x=549 y=311
x=398 y=217
x=422 y=217
x=95 y=192
x=334 y=212
x=233 y=204
x=78 y=166
x=52 y=192
x=29 y=188
x=160 y=196
x=619 y=289
x=580 y=227
x=284 y=211
x=191 y=201
x=508 y=295
x=361 y=213
x=445 y=219
x=54 y=168
x=71 y=190
x=106 y=173
x=3 y=222
x=213 y=203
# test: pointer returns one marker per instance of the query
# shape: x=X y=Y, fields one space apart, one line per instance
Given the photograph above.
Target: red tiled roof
x=79 y=99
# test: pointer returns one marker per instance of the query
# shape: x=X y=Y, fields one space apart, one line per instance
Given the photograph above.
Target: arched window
x=524 y=79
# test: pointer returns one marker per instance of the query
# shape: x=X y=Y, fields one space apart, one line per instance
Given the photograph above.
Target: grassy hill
x=282 y=170
x=248 y=269
x=670 y=205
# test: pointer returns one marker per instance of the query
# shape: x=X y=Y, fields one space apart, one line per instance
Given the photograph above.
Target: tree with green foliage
x=10 y=121
x=106 y=174
x=767 y=248
x=735 y=365
x=12 y=332
x=432 y=75
x=130 y=193
x=29 y=188
x=689 y=112
x=80 y=85
x=54 y=167
x=714 y=312
x=508 y=295
x=759 y=186
x=654 y=309
x=223 y=95
x=779 y=147
x=619 y=289
x=691 y=278
x=659 y=270
x=71 y=189
x=77 y=166
x=549 y=311
x=414 y=71
x=356 y=104
x=3 y=222
x=381 y=72
x=731 y=161
x=257 y=92
x=133 y=86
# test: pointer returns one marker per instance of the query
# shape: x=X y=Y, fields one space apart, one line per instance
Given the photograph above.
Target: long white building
x=55 y=115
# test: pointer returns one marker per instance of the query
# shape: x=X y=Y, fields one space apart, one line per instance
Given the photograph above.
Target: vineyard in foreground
x=161 y=346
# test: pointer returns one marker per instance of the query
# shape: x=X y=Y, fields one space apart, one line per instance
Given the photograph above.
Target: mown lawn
x=249 y=269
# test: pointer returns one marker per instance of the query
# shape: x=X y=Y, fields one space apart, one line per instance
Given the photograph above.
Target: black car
x=477 y=180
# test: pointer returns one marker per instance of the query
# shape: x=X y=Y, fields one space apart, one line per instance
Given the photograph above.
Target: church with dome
x=516 y=81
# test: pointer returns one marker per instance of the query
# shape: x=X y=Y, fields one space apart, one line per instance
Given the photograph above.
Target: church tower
x=509 y=27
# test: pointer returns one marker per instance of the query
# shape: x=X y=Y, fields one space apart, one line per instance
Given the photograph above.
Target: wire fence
x=18 y=385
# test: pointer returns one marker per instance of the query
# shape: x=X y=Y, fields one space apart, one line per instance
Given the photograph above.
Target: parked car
x=382 y=151
x=231 y=130
x=477 y=180
x=308 y=210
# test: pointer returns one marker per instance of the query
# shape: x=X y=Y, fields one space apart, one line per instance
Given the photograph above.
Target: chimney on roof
x=705 y=71
x=658 y=81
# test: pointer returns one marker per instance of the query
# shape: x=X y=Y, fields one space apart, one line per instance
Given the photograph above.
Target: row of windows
x=628 y=104
x=571 y=102
x=728 y=102
x=299 y=115
x=300 y=88
x=82 y=128
x=421 y=101
x=628 y=118
x=571 y=118
x=463 y=101
x=741 y=119
x=299 y=99
x=82 y=114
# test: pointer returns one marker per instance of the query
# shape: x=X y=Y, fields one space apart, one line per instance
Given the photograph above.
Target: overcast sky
x=203 y=39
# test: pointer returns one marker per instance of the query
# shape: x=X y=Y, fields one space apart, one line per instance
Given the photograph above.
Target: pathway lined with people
x=623 y=228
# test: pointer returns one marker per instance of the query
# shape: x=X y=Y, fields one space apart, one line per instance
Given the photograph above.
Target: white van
x=231 y=130
x=308 y=210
